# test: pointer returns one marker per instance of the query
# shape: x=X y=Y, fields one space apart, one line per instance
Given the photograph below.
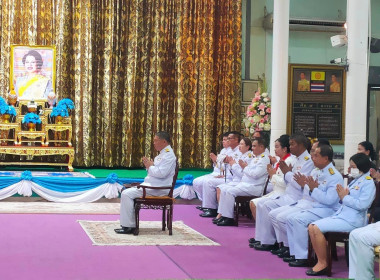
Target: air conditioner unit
x=302 y=24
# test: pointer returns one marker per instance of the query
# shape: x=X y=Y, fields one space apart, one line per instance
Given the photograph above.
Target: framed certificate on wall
x=316 y=101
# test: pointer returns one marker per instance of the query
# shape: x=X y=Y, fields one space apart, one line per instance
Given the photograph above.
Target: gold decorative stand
x=29 y=143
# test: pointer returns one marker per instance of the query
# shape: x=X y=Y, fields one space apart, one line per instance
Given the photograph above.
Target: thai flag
x=314 y=87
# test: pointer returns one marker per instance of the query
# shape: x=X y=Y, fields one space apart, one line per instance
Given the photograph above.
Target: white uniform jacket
x=355 y=205
x=237 y=171
x=161 y=173
x=256 y=171
x=325 y=195
x=304 y=165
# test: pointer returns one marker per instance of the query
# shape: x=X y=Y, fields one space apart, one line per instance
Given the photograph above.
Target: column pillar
x=357 y=76
x=279 y=94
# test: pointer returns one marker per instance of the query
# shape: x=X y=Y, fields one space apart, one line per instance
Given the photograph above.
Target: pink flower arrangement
x=258 y=113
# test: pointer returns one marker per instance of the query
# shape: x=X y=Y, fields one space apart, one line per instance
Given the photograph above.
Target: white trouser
x=279 y=217
x=209 y=192
x=264 y=229
x=127 y=209
x=298 y=236
x=198 y=184
x=362 y=240
x=227 y=197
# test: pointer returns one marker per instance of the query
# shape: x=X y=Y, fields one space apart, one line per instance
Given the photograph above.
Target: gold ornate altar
x=46 y=140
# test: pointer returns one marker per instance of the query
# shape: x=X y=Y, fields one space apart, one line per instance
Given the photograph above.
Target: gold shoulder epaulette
x=262 y=155
x=368 y=177
x=167 y=150
x=306 y=158
x=332 y=172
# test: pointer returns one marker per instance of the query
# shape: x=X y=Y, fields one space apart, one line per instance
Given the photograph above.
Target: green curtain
x=135 y=67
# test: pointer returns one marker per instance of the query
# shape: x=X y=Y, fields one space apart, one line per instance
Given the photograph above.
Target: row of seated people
x=308 y=196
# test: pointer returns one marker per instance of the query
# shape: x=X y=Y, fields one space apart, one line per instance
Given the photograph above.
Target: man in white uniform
x=160 y=174
x=264 y=229
x=209 y=201
x=217 y=161
x=362 y=240
x=252 y=183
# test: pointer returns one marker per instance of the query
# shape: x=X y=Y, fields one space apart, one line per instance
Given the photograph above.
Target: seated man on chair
x=160 y=174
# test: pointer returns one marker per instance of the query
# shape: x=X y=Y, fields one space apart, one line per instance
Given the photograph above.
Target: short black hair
x=284 y=142
x=300 y=138
x=225 y=134
x=247 y=142
x=236 y=134
x=326 y=151
x=369 y=147
x=260 y=141
x=362 y=161
x=323 y=141
x=164 y=136
x=36 y=55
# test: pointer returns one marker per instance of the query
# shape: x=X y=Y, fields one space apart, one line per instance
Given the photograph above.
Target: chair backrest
x=266 y=186
x=174 y=179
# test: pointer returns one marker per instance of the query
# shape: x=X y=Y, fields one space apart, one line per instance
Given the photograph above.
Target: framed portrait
x=248 y=88
x=316 y=101
x=32 y=71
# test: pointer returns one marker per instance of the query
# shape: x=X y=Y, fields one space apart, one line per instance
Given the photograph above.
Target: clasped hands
x=303 y=180
x=147 y=162
x=342 y=191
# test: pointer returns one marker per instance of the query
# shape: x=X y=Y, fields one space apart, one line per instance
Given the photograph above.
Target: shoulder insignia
x=262 y=155
x=167 y=150
x=368 y=177
x=332 y=172
x=356 y=187
x=249 y=155
x=306 y=158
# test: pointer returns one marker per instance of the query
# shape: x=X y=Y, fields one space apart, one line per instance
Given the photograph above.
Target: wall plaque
x=316 y=101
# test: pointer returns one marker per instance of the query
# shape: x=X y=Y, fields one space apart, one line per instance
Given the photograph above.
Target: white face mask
x=355 y=173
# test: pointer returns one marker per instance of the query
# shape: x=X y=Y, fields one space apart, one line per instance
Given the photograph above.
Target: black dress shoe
x=266 y=247
x=289 y=259
x=285 y=254
x=226 y=222
x=311 y=272
x=199 y=207
x=252 y=240
x=210 y=213
x=299 y=263
x=217 y=220
x=279 y=251
x=125 y=230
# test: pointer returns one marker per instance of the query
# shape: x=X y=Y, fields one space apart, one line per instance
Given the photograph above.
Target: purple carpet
x=50 y=246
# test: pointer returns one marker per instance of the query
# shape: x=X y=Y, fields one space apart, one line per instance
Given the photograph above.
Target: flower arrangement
x=258 y=115
x=60 y=110
x=66 y=102
x=6 y=109
x=31 y=118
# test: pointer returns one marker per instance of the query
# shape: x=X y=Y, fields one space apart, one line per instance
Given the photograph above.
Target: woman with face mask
x=355 y=200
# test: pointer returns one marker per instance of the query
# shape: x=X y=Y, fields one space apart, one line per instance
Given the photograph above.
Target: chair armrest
x=151 y=187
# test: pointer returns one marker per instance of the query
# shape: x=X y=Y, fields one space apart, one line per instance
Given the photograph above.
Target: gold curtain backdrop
x=135 y=67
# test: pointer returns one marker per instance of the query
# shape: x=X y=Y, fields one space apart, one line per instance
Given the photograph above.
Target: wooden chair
x=164 y=203
x=377 y=253
x=242 y=203
x=333 y=237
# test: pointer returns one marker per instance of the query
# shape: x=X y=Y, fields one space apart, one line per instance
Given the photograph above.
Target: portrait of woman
x=32 y=84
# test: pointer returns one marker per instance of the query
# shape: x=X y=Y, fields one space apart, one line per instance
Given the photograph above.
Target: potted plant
x=7 y=111
x=59 y=112
x=31 y=119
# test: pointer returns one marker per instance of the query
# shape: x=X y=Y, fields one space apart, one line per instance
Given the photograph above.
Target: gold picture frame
x=32 y=71
x=316 y=101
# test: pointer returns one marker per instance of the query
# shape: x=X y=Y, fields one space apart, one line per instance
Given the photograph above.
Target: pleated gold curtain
x=135 y=67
